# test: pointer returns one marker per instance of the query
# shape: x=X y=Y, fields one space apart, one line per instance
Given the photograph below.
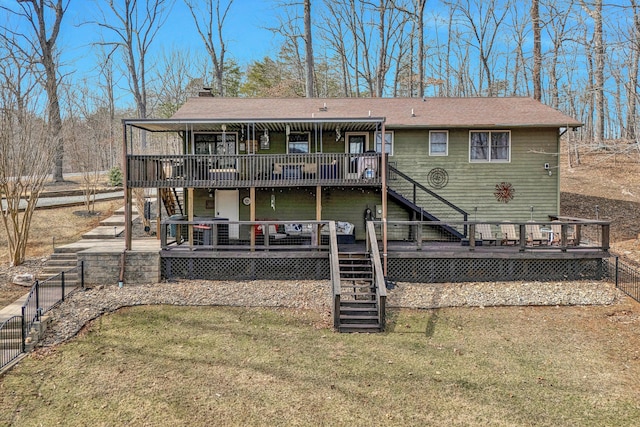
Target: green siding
x=473 y=184
x=470 y=185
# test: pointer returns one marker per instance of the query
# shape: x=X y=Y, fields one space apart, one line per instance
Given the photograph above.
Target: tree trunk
x=537 y=51
x=308 y=62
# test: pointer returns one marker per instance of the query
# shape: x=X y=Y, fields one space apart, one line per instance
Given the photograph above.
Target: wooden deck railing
x=576 y=234
x=247 y=170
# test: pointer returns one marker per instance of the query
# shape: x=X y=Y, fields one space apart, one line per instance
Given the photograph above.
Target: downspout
x=122 y=263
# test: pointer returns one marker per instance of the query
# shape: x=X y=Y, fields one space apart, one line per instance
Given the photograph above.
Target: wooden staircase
x=171 y=199
x=359 y=310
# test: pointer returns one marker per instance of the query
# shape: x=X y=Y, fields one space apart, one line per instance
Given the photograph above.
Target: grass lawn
x=164 y=365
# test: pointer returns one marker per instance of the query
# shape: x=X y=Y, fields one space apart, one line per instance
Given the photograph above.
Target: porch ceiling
x=273 y=125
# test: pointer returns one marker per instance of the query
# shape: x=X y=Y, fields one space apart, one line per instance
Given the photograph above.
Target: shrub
x=115 y=177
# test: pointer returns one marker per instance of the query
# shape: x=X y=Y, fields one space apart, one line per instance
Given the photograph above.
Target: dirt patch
x=607 y=186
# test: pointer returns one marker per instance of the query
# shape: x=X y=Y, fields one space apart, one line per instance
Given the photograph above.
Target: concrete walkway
x=13 y=309
x=46 y=202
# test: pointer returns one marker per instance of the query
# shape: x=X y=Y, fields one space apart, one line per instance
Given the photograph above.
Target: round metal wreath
x=438 y=178
x=504 y=192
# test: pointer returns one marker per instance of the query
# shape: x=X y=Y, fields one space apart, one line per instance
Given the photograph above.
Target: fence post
x=62 y=276
x=22 y=334
x=617 y=266
x=82 y=274
x=37 y=300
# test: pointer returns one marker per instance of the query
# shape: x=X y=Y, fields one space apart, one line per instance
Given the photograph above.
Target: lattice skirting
x=437 y=270
x=246 y=268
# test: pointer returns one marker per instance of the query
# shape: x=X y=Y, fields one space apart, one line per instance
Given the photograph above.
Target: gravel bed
x=84 y=306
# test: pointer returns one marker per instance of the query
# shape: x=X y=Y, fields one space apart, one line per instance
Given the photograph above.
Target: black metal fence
x=44 y=295
x=11 y=340
x=626 y=277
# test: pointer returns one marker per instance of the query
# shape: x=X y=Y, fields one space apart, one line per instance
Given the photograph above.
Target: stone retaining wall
x=103 y=268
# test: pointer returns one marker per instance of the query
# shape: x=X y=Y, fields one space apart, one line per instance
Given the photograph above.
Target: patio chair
x=534 y=235
x=509 y=236
x=484 y=233
x=557 y=233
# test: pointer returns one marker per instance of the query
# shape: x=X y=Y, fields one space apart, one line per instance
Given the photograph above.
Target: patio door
x=356 y=144
x=227 y=207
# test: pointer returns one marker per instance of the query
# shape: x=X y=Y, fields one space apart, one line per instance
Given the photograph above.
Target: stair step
x=355 y=281
x=348 y=287
x=358 y=303
x=102 y=232
x=69 y=263
x=350 y=296
x=358 y=309
x=358 y=317
x=62 y=255
x=363 y=327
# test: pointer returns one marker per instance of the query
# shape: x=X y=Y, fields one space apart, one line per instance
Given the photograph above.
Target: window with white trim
x=490 y=146
x=438 y=142
x=388 y=142
x=298 y=142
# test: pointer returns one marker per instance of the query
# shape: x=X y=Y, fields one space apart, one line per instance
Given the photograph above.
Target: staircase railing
x=378 y=274
x=431 y=206
x=335 y=272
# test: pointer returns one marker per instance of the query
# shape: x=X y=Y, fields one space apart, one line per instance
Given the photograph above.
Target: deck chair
x=509 y=236
x=534 y=235
x=484 y=233
x=557 y=233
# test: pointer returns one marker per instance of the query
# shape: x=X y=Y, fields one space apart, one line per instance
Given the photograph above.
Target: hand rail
x=335 y=273
x=378 y=274
x=426 y=190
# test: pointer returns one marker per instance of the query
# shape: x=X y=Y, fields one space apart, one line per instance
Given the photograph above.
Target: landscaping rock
x=23 y=279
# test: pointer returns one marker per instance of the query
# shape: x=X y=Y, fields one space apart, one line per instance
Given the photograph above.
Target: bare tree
x=556 y=17
x=633 y=83
x=483 y=20
x=41 y=38
x=209 y=21
x=133 y=26
x=416 y=14
x=595 y=13
x=26 y=148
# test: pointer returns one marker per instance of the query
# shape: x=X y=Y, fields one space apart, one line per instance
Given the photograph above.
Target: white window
x=438 y=143
x=490 y=146
x=388 y=142
x=298 y=142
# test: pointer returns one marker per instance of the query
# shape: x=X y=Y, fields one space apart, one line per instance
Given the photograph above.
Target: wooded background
x=575 y=55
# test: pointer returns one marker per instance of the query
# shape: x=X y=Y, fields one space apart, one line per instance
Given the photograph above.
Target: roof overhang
x=274 y=125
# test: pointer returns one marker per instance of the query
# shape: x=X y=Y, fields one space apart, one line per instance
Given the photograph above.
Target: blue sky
x=245 y=33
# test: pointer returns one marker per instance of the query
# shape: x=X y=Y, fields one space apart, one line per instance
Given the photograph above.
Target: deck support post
x=158 y=213
x=318 y=213
x=127 y=193
x=252 y=217
x=190 y=214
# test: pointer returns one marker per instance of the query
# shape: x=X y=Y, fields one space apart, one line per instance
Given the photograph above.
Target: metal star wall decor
x=504 y=192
